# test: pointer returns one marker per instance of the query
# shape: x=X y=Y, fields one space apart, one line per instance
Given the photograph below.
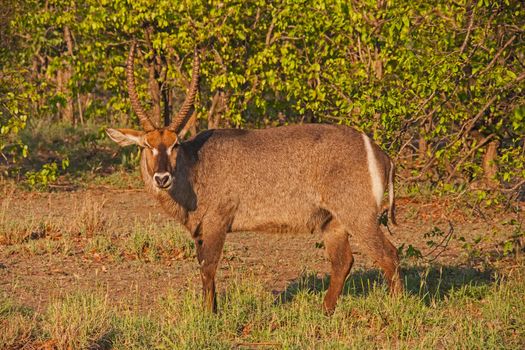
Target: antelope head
x=159 y=145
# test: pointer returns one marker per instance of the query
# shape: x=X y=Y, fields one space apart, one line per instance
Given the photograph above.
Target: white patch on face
x=169 y=149
x=373 y=169
x=155 y=151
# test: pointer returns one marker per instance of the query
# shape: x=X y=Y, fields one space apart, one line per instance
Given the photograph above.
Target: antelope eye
x=174 y=146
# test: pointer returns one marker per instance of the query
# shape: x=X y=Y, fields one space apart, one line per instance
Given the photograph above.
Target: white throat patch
x=373 y=169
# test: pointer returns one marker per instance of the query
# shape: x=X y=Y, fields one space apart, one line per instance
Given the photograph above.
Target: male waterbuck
x=302 y=178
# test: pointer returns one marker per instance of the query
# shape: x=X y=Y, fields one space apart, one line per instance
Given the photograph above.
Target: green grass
x=443 y=306
x=151 y=241
x=78 y=321
x=488 y=315
x=120 y=179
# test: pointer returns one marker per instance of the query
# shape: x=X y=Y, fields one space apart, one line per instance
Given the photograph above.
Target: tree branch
x=469 y=29
x=500 y=51
x=471 y=151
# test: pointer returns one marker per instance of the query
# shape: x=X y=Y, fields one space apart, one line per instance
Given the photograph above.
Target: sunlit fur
x=377 y=180
x=294 y=179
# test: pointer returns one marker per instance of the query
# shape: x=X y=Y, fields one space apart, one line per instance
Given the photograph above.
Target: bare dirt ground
x=276 y=260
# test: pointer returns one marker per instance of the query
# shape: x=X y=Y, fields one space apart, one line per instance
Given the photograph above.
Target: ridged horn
x=145 y=120
x=184 y=113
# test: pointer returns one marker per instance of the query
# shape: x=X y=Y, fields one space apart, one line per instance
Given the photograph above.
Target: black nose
x=162 y=180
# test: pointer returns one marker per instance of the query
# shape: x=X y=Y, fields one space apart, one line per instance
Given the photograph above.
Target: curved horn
x=145 y=121
x=182 y=117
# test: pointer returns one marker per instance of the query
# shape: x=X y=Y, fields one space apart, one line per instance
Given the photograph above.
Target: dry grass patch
x=88 y=218
x=91 y=228
x=19 y=325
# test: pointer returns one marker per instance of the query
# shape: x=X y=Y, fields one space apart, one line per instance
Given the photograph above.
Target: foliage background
x=439 y=84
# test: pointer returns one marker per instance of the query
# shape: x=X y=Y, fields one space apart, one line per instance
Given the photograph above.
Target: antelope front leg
x=209 y=249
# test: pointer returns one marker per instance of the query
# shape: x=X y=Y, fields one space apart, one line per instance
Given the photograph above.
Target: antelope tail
x=391 y=195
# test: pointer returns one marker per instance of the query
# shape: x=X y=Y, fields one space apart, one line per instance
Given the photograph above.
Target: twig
x=423 y=170
x=463 y=47
x=496 y=57
x=443 y=244
x=268 y=40
x=359 y=51
x=257 y=344
x=404 y=145
x=333 y=118
x=469 y=125
x=338 y=90
x=426 y=102
x=257 y=17
x=61 y=185
x=4 y=156
x=515 y=187
x=471 y=151
x=517 y=80
x=476 y=118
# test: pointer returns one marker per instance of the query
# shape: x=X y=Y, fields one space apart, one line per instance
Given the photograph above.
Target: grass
x=146 y=242
x=153 y=242
x=120 y=179
x=91 y=230
x=470 y=316
x=454 y=306
x=78 y=321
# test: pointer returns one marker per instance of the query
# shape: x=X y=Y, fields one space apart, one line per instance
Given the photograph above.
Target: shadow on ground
x=105 y=342
x=431 y=284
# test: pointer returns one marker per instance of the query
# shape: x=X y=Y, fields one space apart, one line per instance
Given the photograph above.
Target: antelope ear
x=126 y=137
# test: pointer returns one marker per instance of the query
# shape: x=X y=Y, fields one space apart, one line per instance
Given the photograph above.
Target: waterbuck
x=302 y=178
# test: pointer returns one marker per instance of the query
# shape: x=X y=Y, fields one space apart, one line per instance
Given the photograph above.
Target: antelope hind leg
x=341 y=259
